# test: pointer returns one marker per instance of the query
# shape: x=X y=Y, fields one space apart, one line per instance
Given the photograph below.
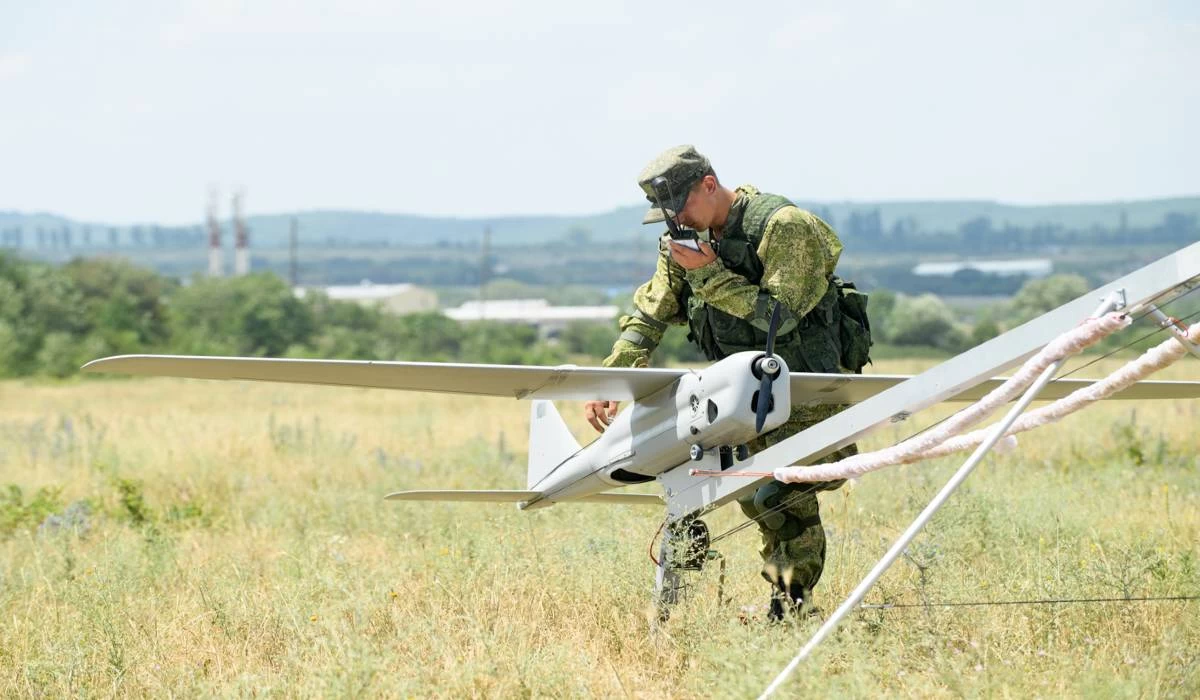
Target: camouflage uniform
x=798 y=252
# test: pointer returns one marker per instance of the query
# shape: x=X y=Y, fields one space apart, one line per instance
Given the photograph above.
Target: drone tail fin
x=550 y=441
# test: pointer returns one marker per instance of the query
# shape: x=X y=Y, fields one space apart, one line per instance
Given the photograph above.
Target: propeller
x=768 y=369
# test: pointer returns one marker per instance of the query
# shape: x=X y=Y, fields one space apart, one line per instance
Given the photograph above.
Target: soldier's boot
x=792 y=599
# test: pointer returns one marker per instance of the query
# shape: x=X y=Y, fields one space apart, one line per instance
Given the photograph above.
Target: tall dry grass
x=234 y=542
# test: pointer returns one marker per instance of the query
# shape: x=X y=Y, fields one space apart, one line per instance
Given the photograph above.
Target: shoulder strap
x=759 y=211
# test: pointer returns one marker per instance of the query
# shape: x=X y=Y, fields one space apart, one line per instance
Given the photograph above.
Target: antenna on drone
x=215 y=264
x=241 y=252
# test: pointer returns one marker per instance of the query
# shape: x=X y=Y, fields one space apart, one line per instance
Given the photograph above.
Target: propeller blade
x=771 y=328
x=764 y=402
x=764 y=385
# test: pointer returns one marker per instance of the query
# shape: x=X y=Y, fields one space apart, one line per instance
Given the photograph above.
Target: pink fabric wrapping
x=1148 y=363
x=1086 y=334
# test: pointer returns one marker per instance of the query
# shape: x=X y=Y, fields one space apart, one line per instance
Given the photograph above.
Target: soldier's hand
x=600 y=413
x=690 y=259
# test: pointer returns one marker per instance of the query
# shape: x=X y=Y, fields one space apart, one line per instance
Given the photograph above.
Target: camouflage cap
x=681 y=167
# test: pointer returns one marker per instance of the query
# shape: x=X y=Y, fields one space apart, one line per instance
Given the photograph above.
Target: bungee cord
x=1148 y=310
x=1093 y=361
x=1185 y=339
x=947 y=438
x=791 y=498
x=795 y=496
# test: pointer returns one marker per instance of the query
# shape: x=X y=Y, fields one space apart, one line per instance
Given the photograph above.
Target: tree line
x=53 y=319
x=864 y=229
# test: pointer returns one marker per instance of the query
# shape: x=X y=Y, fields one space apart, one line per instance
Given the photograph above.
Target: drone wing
x=810 y=389
x=567 y=382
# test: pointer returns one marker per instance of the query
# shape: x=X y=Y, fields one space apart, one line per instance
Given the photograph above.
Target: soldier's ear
x=709 y=183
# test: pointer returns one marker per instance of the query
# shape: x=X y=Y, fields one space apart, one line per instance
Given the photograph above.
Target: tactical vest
x=815 y=345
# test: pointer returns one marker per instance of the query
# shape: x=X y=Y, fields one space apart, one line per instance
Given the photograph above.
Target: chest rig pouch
x=813 y=345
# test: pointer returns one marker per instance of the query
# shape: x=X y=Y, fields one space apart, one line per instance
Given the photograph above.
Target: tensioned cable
x=791 y=499
x=1096 y=359
x=1045 y=601
x=795 y=496
x=1132 y=342
x=1084 y=366
x=1122 y=348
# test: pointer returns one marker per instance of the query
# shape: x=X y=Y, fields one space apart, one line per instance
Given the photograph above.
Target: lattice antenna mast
x=241 y=253
x=215 y=263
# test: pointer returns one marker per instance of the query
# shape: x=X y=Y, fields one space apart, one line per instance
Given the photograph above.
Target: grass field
x=231 y=539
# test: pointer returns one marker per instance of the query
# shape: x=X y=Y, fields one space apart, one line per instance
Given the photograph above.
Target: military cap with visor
x=681 y=168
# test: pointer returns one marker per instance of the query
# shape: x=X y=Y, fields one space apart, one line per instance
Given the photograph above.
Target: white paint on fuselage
x=655 y=434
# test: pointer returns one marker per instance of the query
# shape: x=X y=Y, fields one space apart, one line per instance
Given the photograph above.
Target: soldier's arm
x=798 y=252
x=656 y=307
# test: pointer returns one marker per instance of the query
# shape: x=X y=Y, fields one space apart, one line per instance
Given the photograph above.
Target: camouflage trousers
x=788 y=515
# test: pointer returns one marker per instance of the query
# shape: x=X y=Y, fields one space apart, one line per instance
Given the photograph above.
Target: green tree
x=125 y=303
x=10 y=350
x=879 y=310
x=35 y=300
x=983 y=331
x=255 y=314
x=506 y=344
x=425 y=336
x=587 y=338
x=1038 y=296
x=675 y=347
x=925 y=320
x=58 y=355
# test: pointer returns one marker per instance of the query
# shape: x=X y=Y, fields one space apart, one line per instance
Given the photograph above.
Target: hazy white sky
x=125 y=111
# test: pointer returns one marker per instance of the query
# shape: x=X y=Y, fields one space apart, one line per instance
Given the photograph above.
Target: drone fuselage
x=709 y=408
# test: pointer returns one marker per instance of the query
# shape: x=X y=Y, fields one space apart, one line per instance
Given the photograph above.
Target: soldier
x=755 y=251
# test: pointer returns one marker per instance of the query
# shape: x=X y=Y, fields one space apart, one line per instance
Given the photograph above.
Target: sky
x=126 y=111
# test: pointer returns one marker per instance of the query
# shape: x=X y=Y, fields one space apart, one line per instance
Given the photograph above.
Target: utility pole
x=241 y=259
x=292 y=244
x=215 y=266
x=484 y=268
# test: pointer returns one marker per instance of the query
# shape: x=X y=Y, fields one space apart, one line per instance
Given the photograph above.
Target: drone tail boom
x=523 y=497
x=550 y=442
x=465 y=496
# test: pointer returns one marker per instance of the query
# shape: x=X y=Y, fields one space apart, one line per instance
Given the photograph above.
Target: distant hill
x=375 y=228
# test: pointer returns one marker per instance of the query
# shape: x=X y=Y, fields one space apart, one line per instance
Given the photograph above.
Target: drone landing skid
x=684 y=547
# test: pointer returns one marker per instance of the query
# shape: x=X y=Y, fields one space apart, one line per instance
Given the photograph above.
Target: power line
x=1041 y=601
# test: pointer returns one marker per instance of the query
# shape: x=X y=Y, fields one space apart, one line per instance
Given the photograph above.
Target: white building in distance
x=550 y=320
x=1032 y=267
x=396 y=298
